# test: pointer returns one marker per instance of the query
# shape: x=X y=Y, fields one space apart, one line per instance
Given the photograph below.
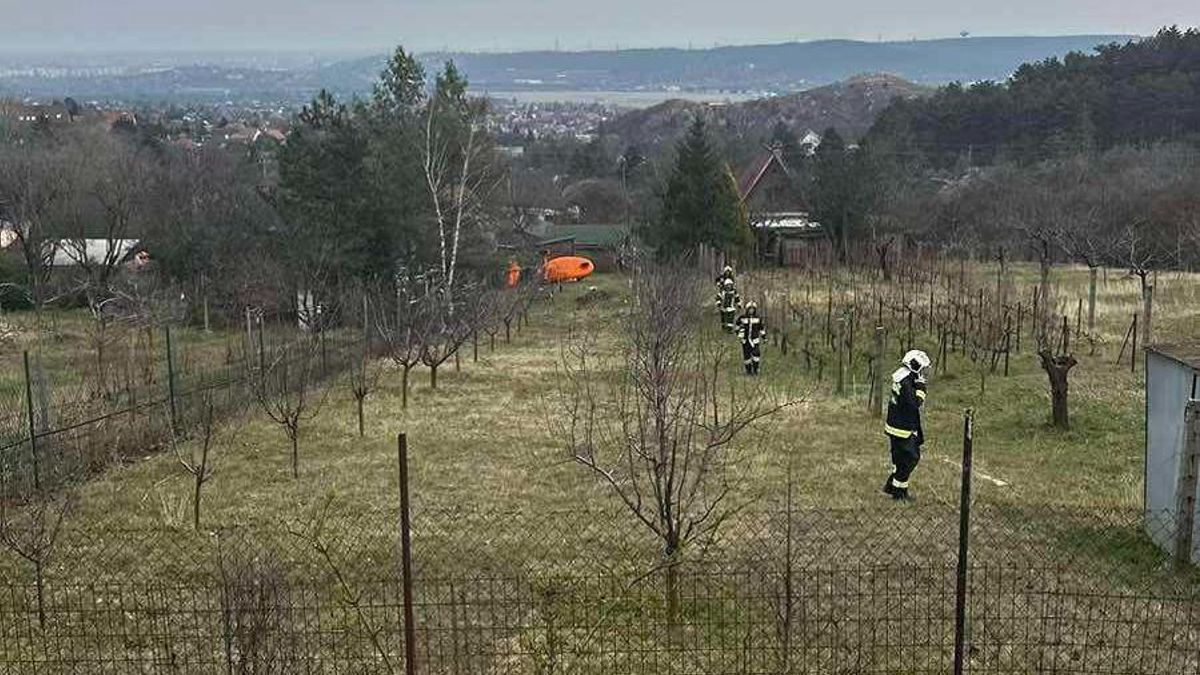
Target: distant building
x=1172 y=384
x=777 y=211
x=601 y=243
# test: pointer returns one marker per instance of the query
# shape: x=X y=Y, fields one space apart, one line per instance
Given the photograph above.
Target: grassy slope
x=482 y=439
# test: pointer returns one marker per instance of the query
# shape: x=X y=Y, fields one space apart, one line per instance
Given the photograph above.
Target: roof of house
x=750 y=180
x=1186 y=352
x=70 y=252
x=792 y=220
x=587 y=234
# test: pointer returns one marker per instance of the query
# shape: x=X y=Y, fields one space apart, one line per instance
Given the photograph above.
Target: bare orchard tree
x=1140 y=251
x=396 y=314
x=197 y=460
x=446 y=324
x=31 y=533
x=368 y=367
x=661 y=434
x=288 y=389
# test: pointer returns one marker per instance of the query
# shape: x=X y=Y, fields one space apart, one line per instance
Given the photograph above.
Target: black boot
x=901 y=495
x=887 y=487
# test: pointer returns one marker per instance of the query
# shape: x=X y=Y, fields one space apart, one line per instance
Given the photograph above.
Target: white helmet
x=728 y=283
x=727 y=270
x=752 y=305
x=916 y=360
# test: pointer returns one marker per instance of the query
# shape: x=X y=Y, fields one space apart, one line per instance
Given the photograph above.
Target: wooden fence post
x=841 y=356
x=171 y=380
x=33 y=449
x=877 y=405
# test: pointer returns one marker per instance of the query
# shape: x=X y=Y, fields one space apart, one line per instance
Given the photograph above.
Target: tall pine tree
x=700 y=204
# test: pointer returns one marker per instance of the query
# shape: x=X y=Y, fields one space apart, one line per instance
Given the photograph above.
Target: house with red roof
x=772 y=197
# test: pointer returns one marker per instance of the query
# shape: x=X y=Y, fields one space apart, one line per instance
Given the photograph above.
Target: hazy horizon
x=353 y=27
x=300 y=53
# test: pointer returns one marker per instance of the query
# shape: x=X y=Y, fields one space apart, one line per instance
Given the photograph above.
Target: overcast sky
x=370 y=25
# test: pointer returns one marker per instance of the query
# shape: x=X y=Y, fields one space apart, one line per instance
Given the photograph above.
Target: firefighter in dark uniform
x=726 y=273
x=903 y=427
x=728 y=302
x=751 y=331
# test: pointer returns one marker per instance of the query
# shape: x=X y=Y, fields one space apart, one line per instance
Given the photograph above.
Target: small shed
x=1172 y=382
x=600 y=243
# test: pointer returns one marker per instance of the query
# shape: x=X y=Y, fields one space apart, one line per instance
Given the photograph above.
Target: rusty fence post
x=964 y=534
x=406 y=580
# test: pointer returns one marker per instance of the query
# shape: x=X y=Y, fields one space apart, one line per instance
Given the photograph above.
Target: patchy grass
x=496 y=494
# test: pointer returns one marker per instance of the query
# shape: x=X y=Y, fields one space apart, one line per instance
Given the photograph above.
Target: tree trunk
x=360 y=415
x=404 y=387
x=433 y=377
x=1057 y=369
x=295 y=435
x=196 y=499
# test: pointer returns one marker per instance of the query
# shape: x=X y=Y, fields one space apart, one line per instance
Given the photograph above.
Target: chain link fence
x=854 y=591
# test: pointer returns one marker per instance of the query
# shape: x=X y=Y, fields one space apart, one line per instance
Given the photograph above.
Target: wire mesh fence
x=1047 y=590
x=53 y=433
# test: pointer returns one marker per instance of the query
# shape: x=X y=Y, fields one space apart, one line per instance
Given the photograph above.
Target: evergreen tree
x=323 y=191
x=700 y=204
x=841 y=191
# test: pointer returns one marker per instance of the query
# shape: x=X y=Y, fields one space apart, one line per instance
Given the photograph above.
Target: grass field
x=482 y=443
x=481 y=439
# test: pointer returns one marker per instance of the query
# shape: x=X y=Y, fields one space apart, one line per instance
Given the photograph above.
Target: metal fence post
x=1189 y=465
x=33 y=449
x=877 y=405
x=410 y=633
x=964 y=533
x=171 y=379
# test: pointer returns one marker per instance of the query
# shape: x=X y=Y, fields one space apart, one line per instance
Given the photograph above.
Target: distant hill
x=780 y=68
x=850 y=106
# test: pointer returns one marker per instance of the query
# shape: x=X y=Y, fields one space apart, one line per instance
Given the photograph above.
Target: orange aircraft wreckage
x=567 y=268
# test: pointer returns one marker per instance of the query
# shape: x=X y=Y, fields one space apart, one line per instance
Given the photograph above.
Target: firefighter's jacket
x=728 y=300
x=751 y=329
x=904 y=406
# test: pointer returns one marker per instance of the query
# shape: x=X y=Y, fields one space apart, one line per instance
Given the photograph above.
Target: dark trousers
x=906 y=454
x=751 y=357
x=728 y=318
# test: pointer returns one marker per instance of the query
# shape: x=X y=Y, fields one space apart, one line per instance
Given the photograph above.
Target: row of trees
x=403 y=183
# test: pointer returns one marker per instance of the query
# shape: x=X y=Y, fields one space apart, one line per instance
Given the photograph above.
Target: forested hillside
x=1137 y=92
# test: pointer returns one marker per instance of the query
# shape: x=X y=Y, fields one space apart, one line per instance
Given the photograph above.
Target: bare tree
x=312 y=533
x=447 y=325
x=1058 y=368
x=255 y=608
x=197 y=461
x=37 y=184
x=31 y=533
x=289 y=391
x=661 y=436
x=1142 y=255
x=364 y=374
x=396 y=314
